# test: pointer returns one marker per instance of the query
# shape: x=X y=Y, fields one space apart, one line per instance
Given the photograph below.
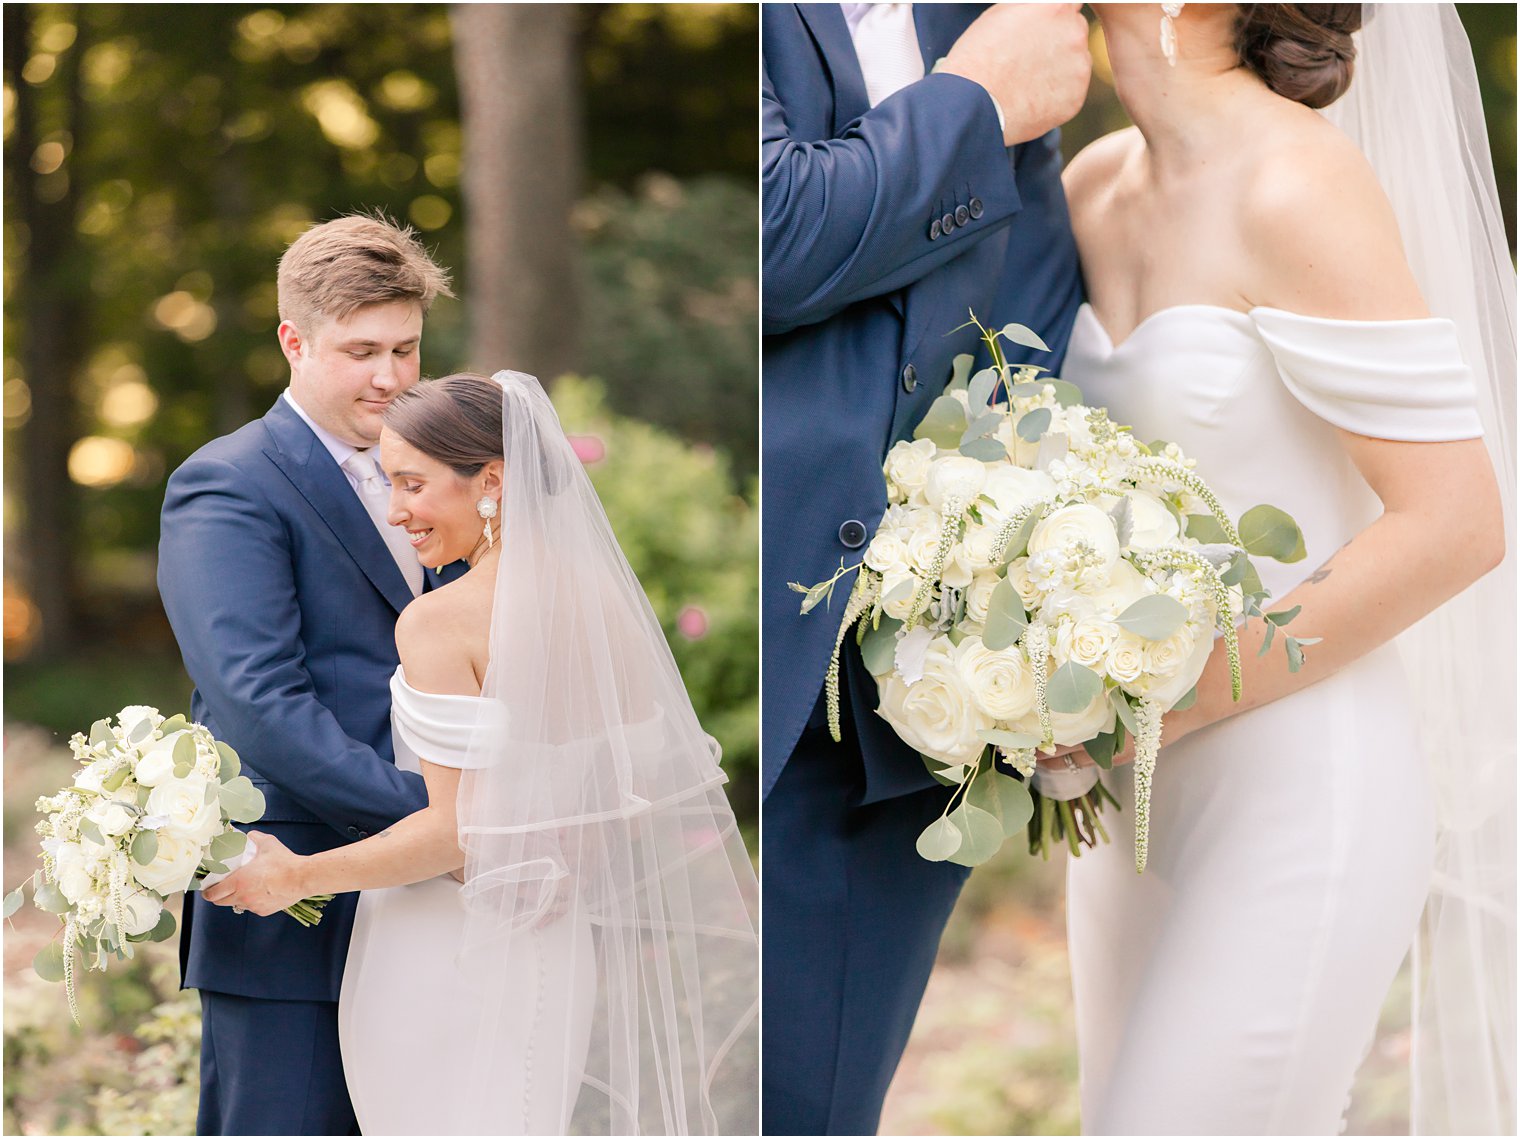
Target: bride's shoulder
x=1096 y=165
x=1325 y=236
x=438 y=637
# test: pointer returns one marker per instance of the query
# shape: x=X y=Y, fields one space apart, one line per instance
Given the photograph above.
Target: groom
x=893 y=203
x=283 y=582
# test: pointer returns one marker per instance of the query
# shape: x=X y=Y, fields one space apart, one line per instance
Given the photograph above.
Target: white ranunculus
x=1126 y=585
x=112 y=817
x=1079 y=727
x=886 y=552
x=70 y=871
x=141 y=911
x=173 y=867
x=1151 y=523
x=134 y=714
x=1013 y=488
x=1065 y=602
x=1000 y=682
x=1063 y=529
x=92 y=776
x=957 y=477
x=157 y=762
x=1126 y=658
x=936 y=715
x=1167 y=691
x=183 y=803
x=979 y=596
x=907 y=466
x=1086 y=641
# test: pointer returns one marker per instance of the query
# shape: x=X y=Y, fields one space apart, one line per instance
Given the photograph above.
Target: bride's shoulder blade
x=441 y=638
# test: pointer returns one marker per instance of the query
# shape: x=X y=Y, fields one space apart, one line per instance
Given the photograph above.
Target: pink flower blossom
x=588 y=448
x=692 y=623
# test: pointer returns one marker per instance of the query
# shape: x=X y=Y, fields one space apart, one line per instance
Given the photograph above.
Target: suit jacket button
x=976 y=208
x=853 y=534
x=934 y=229
x=909 y=379
x=947 y=223
x=962 y=215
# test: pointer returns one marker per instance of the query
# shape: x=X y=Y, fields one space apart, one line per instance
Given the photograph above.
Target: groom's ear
x=291 y=341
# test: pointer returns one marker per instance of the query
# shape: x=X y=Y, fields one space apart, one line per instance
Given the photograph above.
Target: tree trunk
x=520 y=108
x=52 y=333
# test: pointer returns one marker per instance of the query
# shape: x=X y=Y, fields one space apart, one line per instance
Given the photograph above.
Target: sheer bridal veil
x=602 y=856
x=1413 y=108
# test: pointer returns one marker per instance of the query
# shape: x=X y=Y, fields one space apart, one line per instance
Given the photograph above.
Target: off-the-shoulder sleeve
x=439 y=728
x=1390 y=379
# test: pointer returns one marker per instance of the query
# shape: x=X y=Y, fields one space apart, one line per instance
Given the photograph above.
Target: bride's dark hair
x=1302 y=51
x=454 y=419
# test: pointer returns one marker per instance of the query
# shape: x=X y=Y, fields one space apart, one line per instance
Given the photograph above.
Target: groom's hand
x=1032 y=58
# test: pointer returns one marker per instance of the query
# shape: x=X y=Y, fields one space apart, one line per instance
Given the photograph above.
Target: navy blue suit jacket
x=860 y=285
x=284 y=598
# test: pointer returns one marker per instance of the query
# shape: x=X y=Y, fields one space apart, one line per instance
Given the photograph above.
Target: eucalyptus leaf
x=13 y=901
x=1155 y=617
x=940 y=840
x=952 y=776
x=979 y=391
x=1072 y=688
x=1102 y=749
x=981 y=835
x=184 y=754
x=175 y=723
x=960 y=369
x=48 y=897
x=140 y=732
x=982 y=425
x=145 y=847
x=1126 y=713
x=1034 y=425
x=879 y=646
x=100 y=732
x=984 y=450
x=943 y=423
x=49 y=962
x=211 y=866
x=1269 y=532
x=164 y=930
x=1017 y=804
x=1022 y=334
x=88 y=829
x=1006 y=619
x=116 y=779
x=228 y=845
x=1266 y=642
x=1220 y=555
x=1067 y=393
x=231 y=765
x=242 y=801
x=1283 y=616
x=812 y=595
x=1206 y=528
x=1001 y=737
x=1018 y=545
x=1188 y=699
x=1123 y=514
x=1295 y=654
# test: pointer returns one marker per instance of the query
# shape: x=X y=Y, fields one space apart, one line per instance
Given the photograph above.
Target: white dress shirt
x=339 y=450
x=886 y=43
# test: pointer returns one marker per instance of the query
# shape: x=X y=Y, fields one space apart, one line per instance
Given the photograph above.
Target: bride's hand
x=267 y=885
x=1056 y=760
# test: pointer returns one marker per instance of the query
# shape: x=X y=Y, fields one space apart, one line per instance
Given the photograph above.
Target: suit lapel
x=832 y=35
x=311 y=470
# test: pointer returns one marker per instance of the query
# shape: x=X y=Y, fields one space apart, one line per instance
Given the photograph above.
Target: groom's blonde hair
x=334 y=269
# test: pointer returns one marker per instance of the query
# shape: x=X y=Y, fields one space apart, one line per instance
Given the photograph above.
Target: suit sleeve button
x=934 y=230
x=947 y=223
x=962 y=215
x=909 y=379
x=976 y=208
x=853 y=534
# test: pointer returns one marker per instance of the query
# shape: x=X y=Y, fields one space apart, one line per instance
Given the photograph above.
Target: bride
x=596 y=970
x=1320 y=309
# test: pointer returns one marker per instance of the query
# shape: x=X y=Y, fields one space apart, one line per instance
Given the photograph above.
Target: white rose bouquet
x=1042 y=578
x=148 y=814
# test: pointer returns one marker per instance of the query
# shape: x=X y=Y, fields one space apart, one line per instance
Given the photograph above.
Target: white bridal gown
x=412 y=1030
x=1234 y=987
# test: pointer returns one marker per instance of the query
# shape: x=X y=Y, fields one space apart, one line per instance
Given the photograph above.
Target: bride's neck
x=1185 y=113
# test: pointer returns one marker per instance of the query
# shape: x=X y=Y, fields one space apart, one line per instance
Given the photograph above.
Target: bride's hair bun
x=454 y=419
x=1302 y=51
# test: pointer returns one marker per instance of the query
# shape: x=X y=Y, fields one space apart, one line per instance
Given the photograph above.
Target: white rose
x=141 y=911
x=173 y=867
x=1126 y=658
x=1079 y=727
x=183 y=803
x=886 y=552
x=935 y=715
x=1000 y=682
x=1086 y=641
x=1013 y=488
x=92 y=777
x=1164 y=659
x=157 y=762
x=957 y=570
x=954 y=477
x=134 y=714
x=71 y=873
x=897 y=591
x=112 y=817
x=1151 y=523
x=1059 y=531
x=922 y=545
x=974 y=551
x=979 y=596
x=907 y=466
x=1018 y=574
x=1168 y=691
